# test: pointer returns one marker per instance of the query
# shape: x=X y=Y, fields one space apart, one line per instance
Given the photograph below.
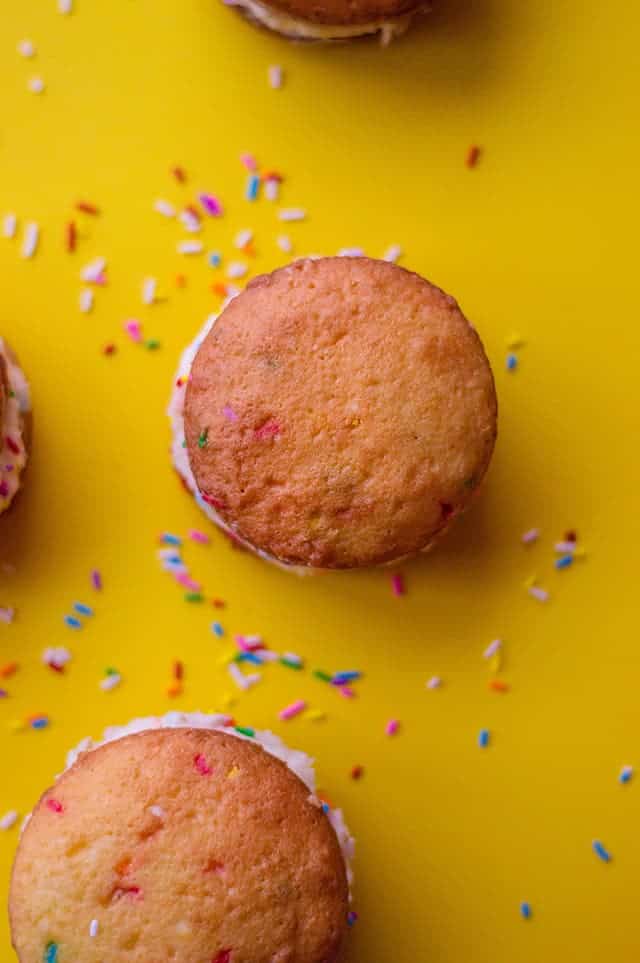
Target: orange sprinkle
x=178 y=670
x=87 y=208
x=499 y=685
x=179 y=174
x=174 y=690
x=473 y=155
x=71 y=236
x=181 y=281
x=7 y=670
x=219 y=288
x=272 y=176
x=218 y=603
x=249 y=249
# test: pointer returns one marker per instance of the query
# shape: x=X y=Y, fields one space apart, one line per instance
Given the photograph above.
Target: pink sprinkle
x=7 y=615
x=54 y=805
x=346 y=691
x=201 y=765
x=197 y=536
x=211 y=204
x=96 y=580
x=229 y=413
x=270 y=429
x=249 y=162
x=134 y=330
x=252 y=643
x=184 y=579
x=397 y=584
x=392 y=727
x=290 y=711
x=531 y=536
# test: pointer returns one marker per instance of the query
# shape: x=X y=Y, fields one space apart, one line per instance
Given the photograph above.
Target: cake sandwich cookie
x=339 y=413
x=15 y=418
x=332 y=20
x=181 y=838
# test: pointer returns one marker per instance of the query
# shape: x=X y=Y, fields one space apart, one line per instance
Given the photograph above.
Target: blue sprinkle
x=173 y=560
x=626 y=774
x=564 y=562
x=525 y=911
x=601 y=852
x=51 y=953
x=73 y=622
x=215 y=259
x=352 y=918
x=483 y=738
x=82 y=609
x=253 y=184
x=40 y=723
x=170 y=539
x=512 y=362
x=341 y=678
x=325 y=807
x=217 y=629
x=249 y=657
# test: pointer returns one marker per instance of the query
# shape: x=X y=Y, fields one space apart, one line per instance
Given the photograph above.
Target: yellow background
x=540 y=239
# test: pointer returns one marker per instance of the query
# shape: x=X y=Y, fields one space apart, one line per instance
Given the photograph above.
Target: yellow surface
x=540 y=239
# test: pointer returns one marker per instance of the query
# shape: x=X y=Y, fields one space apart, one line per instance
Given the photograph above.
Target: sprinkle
x=168 y=539
x=202 y=766
x=8 y=669
x=164 y=207
x=9 y=225
x=190 y=247
x=272 y=188
x=217 y=629
x=51 y=953
x=110 y=682
x=237 y=269
x=197 y=536
x=36 y=84
x=85 y=301
x=243 y=238
x=240 y=679
x=352 y=918
x=56 y=658
x=65 y=6
x=31 y=238
x=346 y=692
x=315 y=715
x=72 y=622
x=538 y=593
x=149 y=286
x=275 y=76
x=351 y=252
x=397 y=585
x=71 y=236
x=252 y=188
x=82 y=609
x=26 y=48
x=96 y=580
x=525 y=911
x=357 y=772
x=7 y=615
x=473 y=156
x=530 y=536
x=571 y=536
x=626 y=774
x=8 y=820
x=601 y=852
x=512 y=362
x=92 y=272
x=179 y=174
x=88 y=208
x=392 y=253
x=291 y=661
x=284 y=243
x=292 y=214
x=492 y=648
x=190 y=221
x=54 y=805
x=341 y=678
x=93 y=928
x=211 y=204
x=434 y=682
x=498 y=685
x=483 y=738
x=292 y=710
x=392 y=727
x=224 y=956
x=178 y=670
x=564 y=562
x=157 y=811
x=249 y=161
x=246 y=731
x=39 y=722
x=323 y=676
x=193 y=597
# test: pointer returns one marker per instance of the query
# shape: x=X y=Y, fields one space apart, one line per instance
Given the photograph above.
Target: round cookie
x=179 y=844
x=339 y=413
x=15 y=425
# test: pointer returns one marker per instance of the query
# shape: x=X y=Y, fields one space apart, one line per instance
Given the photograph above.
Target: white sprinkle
x=92 y=271
x=31 y=238
x=56 y=656
x=110 y=682
x=65 y=6
x=26 y=48
x=392 y=253
x=232 y=292
x=241 y=680
x=237 y=269
x=538 y=593
x=94 y=926
x=492 y=648
x=190 y=222
x=434 y=682
x=86 y=300
x=292 y=657
x=157 y=811
x=149 y=286
x=276 y=76
x=7 y=615
x=351 y=252
x=36 y=85
x=272 y=188
x=190 y=247
x=243 y=238
x=268 y=656
x=164 y=207
x=9 y=225
x=9 y=819
x=292 y=214
x=284 y=243
x=532 y=535
x=563 y=547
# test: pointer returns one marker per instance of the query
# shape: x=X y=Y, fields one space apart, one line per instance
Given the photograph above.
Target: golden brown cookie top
x=340 y=412
x=184 y=845
x=345 y=12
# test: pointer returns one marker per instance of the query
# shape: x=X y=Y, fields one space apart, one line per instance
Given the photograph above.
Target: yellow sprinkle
x=315 y=715
x=233 y=773
x=496 y=663
x=531 y=581
x=227 y=700
x=514 y=341
x=579 y=553
x=228 y=657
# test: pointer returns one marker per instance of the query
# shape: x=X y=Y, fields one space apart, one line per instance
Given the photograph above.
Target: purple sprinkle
x=211 y=205
x=4 y=694
x=96 y=580
x=229 y=413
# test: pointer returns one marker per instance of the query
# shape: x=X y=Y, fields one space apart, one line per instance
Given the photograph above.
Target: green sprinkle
x=290 y=663
x=203 y=437
x=152 y=344
x=51 y=953
x=470 y=482
x=110 y=670
x=184 y=442
x=246 y=731
x=323 y=676
x=193 y=597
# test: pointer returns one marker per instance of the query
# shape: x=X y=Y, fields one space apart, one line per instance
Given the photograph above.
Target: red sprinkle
x=87 y=208
x=571 y=536
x=179 y=174
x=202 y=766
x=397 y=584
x=270 y=429
x=218 y=603
x=13 y=445
x=357 y=772
x=109 y=349
x=212 y=500
x=71 y=235
x=499 y=685
x=178 y=670
x=54 y=805
x=7 y=670
x=473 y=155
x=223 y=957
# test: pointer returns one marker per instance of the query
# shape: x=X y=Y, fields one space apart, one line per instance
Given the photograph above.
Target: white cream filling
x=298 y=762
x=18 y=403
x=299 y=29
